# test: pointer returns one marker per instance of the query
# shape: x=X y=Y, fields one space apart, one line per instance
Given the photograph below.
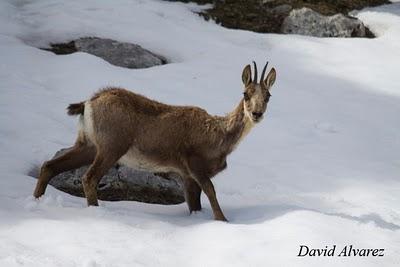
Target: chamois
x=119 y=126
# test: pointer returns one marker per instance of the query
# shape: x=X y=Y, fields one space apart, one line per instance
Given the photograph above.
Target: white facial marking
x=248 y=124
x=246 y=112
x=256 y=103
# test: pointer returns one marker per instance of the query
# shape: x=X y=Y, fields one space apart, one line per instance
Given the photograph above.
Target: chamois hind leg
x=101 y=164
x=79 y=155
x=192 y=194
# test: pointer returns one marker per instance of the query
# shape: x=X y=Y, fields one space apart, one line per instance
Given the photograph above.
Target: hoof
x=194 y=210
x=92 y=203
x=221 y=218
x=39 y=191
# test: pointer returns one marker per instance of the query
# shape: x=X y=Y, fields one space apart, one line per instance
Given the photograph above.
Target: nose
x=257 y=115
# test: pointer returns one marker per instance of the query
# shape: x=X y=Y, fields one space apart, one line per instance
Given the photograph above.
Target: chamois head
x=256 y=95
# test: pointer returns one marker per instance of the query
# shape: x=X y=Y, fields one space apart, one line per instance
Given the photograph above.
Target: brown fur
x=119 y=125
x=76 y=109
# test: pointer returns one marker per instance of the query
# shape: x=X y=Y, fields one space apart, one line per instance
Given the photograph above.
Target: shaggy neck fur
x=237 y=125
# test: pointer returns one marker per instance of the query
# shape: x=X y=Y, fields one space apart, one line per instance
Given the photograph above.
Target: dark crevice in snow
x=372 y=217
x=62 y=48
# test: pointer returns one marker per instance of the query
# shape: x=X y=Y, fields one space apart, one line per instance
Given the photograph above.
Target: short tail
x=76 y=109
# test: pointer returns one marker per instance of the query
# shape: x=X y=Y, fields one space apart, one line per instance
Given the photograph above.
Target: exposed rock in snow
x=282 y=9
x=123 y=183
x=267 y=16
x=121 y=54
x=305 y=21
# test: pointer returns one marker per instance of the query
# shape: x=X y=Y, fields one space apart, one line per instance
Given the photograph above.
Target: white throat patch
x=248 y=123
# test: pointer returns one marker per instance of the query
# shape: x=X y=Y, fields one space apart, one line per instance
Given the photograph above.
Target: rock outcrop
x=267 y=16
x=305 y=21
x=120 y=54
x=123 y=183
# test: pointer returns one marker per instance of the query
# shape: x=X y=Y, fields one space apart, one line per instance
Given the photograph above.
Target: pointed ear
x=270 y=80
x=246 y=75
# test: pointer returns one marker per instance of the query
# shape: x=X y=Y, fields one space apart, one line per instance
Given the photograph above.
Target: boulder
x=305 y=21
x=281 y=9
x=267 y=16
x=123 y=183
x=120 y=54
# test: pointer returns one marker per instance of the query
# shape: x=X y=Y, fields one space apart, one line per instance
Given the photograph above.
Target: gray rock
x=121 y=54
x=123 y=183
x=282 y=9
x=266 y=1
x=305 y=21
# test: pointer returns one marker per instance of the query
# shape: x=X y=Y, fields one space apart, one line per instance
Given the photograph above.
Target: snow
x=321 y=169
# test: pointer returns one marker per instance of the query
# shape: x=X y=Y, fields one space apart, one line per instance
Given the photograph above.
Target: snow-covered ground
x=322 y=169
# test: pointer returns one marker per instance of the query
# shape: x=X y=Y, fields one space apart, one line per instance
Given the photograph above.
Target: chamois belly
x=136 y=160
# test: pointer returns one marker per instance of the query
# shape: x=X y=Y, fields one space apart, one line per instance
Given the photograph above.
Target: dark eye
x=267 y=98
x=246 y=96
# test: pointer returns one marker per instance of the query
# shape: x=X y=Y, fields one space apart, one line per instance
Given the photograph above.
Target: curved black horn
x=263 y=72
x=255 y=72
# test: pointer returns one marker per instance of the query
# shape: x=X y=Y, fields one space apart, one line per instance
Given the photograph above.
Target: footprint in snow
x=325 y=127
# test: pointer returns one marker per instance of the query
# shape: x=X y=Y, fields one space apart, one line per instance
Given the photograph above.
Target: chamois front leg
x=199 y=168
x=192 y=194
x=208 y=188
